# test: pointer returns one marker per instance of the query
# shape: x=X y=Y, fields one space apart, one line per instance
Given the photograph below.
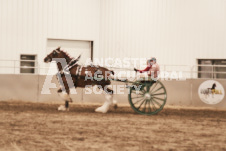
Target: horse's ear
x=58 y=48
x=78 y=57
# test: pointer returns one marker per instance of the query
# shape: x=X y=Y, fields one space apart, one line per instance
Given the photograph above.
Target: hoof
x=101 y=110
x=104 y=108
x=115 y=106
x=62 y=108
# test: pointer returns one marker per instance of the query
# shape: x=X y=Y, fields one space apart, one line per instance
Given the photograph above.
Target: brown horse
x=81 y=77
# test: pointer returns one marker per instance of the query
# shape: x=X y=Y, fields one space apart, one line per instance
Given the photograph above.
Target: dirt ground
x=39 y=126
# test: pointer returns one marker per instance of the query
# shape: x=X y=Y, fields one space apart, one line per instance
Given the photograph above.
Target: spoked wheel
x=147 y=97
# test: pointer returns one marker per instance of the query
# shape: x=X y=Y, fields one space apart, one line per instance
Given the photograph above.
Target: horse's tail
x=112 y=72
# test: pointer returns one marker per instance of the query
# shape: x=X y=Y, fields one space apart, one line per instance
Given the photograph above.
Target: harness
x=77 y=75
x=66 y=69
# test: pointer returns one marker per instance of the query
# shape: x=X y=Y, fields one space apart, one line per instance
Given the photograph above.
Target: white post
x=14 y=66
x=212 y=72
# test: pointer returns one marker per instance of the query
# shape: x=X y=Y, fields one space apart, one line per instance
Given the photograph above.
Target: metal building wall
x=25 y=25
x=177 y=32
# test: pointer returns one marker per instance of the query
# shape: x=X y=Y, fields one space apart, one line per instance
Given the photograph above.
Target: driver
x=152 y=68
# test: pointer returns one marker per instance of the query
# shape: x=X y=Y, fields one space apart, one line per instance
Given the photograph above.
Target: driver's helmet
x=152 y=60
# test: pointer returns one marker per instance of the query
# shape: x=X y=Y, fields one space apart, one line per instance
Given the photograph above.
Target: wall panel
x=25 y=25
x=29 y=88
x=175 y=31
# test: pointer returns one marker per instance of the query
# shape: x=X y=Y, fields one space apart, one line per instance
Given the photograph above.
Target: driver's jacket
x=153 y=69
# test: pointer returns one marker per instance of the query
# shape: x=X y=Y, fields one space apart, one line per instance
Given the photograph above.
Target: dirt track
x=36 y=126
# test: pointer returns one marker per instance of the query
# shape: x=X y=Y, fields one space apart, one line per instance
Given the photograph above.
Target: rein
x=71 y=64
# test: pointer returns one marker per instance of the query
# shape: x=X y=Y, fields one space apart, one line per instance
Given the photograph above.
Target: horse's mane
x=71 y=60
x=67 y=56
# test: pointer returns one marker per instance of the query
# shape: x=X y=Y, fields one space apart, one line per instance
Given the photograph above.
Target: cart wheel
x=147 y=98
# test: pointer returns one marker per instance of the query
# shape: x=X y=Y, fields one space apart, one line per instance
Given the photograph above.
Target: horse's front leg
x=65 y=95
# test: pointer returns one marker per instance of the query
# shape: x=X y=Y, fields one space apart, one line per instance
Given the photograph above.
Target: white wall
x=25 y=25
x=175 y=31
x=29 y=88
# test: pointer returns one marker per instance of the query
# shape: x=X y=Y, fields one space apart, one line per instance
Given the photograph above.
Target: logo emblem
x=211 y=92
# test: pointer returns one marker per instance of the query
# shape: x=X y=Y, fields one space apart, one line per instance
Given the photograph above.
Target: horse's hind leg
x=109 y=96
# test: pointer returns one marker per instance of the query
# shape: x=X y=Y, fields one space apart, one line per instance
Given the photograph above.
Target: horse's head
x=57 y=53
